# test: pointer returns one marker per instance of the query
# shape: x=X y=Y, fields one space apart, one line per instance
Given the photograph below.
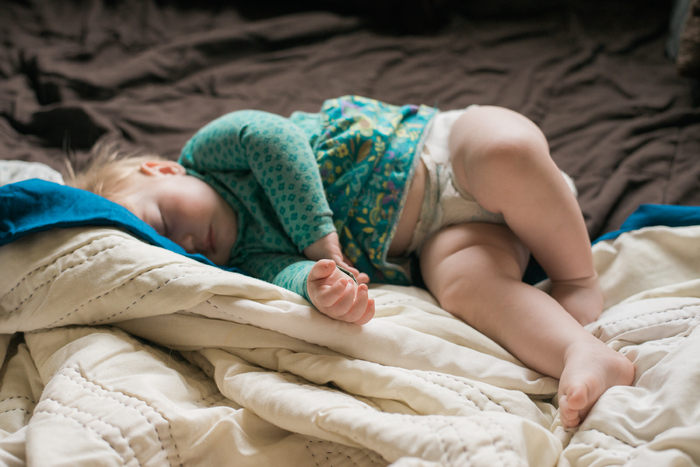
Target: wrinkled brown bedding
x=592 y=74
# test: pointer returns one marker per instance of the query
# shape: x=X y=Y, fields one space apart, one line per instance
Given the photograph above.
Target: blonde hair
x=110 y=172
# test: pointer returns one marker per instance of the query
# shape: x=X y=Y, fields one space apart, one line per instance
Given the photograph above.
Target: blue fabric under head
x=37 y=205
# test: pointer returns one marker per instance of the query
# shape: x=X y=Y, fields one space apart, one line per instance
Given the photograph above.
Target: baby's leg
x=475 y=270
x=502 y=159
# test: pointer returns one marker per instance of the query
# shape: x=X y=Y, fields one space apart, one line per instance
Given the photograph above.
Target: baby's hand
x=328 y=247
x=336 y=295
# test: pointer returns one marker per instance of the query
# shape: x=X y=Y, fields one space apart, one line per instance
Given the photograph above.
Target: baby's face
x=184 y=209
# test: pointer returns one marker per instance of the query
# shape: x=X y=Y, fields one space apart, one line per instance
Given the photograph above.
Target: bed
x=116 y=351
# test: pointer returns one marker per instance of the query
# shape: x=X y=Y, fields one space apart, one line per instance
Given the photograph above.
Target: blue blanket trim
x=37 y=205
x=648 y=215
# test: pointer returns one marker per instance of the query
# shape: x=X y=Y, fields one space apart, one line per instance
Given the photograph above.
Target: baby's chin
x=222 y=255
x=219 y=260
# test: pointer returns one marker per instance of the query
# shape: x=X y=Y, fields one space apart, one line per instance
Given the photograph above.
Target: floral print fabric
x=365 y=151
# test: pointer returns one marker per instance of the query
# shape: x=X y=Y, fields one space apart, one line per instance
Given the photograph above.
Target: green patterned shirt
x=267 y=168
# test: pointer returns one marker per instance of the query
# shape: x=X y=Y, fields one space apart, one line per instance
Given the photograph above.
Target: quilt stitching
x=665 y=342
x=464 y=451
x=25 y=278
x=426 y=423
x=48 y=265
x=596 y=445
x=498 y=436
x=340 y=453
x=88 y=428
x=494 y=429
x=462 y=383
x=210 y=400
x=688 y=318
x=90 y=258
x=79 y=379
x=18 y=408
x=422 y=377
x=240 y=320
x=171 y=279
x=650 y=314
x=75 y=410
x=487 y=425
x=18 y=397
x=425 y=379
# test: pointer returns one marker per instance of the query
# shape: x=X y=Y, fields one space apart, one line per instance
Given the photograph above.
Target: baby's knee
x=496 y=138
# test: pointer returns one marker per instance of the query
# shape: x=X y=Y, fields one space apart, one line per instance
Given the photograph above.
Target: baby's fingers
x=362 y=309
x=331 y=296
x=354 y=306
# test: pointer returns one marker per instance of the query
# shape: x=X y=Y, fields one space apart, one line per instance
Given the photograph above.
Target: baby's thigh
x=466 y=257
x=488 y=145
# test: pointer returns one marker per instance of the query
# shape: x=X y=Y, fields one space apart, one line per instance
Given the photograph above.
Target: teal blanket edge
x=646 y=215
x=649 y=215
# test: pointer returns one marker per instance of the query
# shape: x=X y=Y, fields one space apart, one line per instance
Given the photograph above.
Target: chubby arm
x=336 y=295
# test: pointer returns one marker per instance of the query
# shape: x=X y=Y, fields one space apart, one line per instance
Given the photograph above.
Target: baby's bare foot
x=582 y=298
x=590 y=370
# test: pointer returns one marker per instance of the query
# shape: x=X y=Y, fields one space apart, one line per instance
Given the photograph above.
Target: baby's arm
x=328 y=247
x=268 y=165
x=335 y=294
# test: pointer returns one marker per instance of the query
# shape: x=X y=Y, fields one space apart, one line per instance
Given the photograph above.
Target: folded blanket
x=266 y=380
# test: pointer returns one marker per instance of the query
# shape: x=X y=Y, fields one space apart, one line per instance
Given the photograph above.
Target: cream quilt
x=119 y=353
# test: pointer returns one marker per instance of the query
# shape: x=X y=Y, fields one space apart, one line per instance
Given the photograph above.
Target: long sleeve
x=255 y=154
x=263 y=166
x=295 y=277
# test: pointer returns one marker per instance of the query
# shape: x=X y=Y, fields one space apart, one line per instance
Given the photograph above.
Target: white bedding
x=120 y=353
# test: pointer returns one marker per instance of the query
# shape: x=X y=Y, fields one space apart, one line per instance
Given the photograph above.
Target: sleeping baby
x=323 y=203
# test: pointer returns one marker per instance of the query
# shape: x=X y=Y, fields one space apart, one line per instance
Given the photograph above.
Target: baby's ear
x=157 y=168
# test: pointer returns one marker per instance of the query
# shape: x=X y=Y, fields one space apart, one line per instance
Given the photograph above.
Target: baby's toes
x=569 y=417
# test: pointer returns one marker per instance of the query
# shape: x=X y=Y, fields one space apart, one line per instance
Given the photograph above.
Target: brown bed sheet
x=592 y=74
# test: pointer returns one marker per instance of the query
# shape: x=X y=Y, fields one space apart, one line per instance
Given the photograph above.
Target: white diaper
x=444 y=202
